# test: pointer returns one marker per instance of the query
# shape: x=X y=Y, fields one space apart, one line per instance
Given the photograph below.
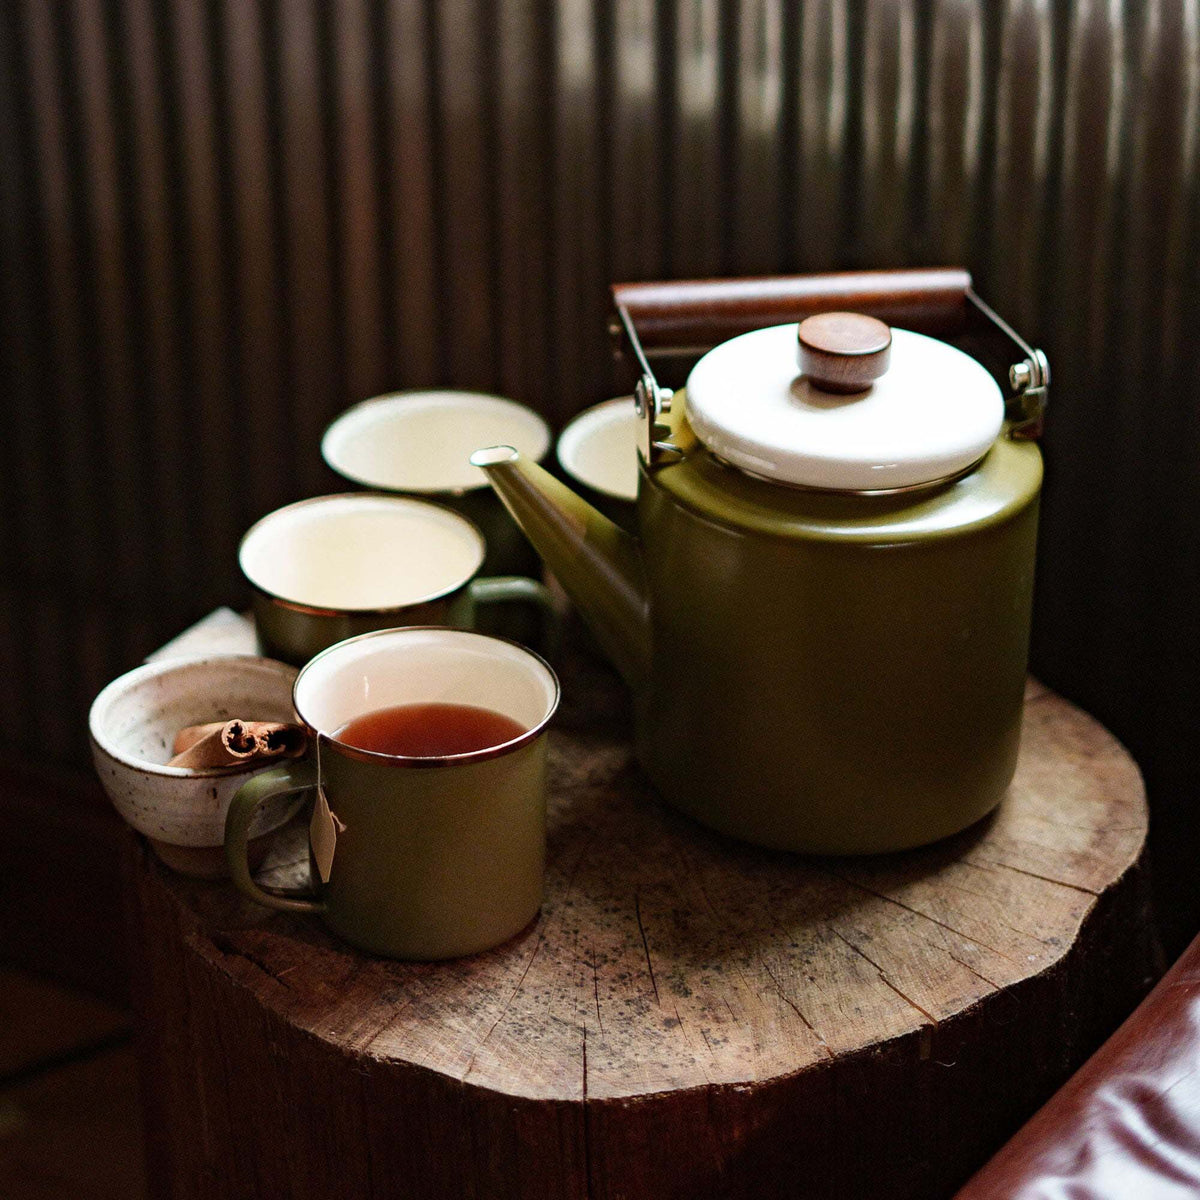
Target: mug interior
x=599 y=448
x=361 y=552
x=422 y=441
x=424 y=666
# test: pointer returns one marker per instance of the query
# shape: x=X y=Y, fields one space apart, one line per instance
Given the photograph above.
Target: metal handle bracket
x=1029 y=377
x=1026 y=398
x=650 y=400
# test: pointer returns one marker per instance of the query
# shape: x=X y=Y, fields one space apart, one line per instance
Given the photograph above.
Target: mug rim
x=432 y=760
x=408 y=394
x=598 y=416
x=316 y=610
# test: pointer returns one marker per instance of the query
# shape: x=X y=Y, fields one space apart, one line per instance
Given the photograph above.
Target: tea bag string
x=322 y=799
x=324 y=827
x=320 y=782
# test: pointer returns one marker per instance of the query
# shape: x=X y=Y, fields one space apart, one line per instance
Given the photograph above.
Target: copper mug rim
x=396 y=400
x=316 y=610
x=321 y=737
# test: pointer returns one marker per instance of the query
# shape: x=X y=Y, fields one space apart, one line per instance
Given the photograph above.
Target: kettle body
x=824 y=611
x=836 y=674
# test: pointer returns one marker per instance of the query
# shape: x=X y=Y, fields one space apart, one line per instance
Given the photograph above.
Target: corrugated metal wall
x=221 y=221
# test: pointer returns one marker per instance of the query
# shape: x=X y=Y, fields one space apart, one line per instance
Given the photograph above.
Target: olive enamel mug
x=329 y=568
x=415 y=856
x=597 y=457
x=419 y=443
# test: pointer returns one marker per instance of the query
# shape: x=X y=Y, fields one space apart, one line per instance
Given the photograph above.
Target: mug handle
x=290 y=777
x=497 y=589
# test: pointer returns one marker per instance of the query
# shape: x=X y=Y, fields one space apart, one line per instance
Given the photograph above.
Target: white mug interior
x=422 y=441
x=599 y=448
x=361 y=552
x=424 y=666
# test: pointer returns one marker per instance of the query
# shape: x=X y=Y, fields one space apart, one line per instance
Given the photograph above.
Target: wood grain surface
x=688 y=1015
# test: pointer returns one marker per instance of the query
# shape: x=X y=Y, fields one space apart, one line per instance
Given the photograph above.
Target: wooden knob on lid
x=844 y=352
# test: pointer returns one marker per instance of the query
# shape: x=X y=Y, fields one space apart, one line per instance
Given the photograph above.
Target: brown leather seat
x=1126 y=1126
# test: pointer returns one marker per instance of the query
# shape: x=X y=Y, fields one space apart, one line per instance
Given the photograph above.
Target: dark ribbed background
x=221 y=222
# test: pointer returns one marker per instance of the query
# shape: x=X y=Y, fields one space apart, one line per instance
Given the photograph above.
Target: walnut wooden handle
x=700 y=313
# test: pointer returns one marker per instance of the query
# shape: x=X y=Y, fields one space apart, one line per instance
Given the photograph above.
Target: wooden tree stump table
x=688 y=1016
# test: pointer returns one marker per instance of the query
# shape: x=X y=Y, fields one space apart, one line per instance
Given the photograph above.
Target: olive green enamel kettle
x=824 y=616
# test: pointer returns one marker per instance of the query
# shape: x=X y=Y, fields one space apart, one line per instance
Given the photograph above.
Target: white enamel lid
x=932 y=414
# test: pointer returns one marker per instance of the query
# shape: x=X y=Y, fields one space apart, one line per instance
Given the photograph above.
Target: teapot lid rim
x=932 y=415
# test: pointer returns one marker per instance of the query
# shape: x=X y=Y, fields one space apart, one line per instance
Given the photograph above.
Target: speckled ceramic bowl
x=133 y=724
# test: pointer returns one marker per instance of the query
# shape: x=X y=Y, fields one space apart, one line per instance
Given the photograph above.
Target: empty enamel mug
x=419 y=443
x=332 y=567
x=597 y=453
x=430 y=752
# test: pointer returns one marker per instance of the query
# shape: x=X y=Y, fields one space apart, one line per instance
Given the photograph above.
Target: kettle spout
x=597 y=562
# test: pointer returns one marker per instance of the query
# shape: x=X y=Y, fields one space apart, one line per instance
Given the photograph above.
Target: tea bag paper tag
x=323 y=830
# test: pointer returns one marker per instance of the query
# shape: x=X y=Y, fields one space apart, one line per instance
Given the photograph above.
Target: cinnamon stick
x=236 y=742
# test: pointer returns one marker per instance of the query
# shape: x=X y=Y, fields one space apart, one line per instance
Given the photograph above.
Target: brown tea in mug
x=429 y=730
